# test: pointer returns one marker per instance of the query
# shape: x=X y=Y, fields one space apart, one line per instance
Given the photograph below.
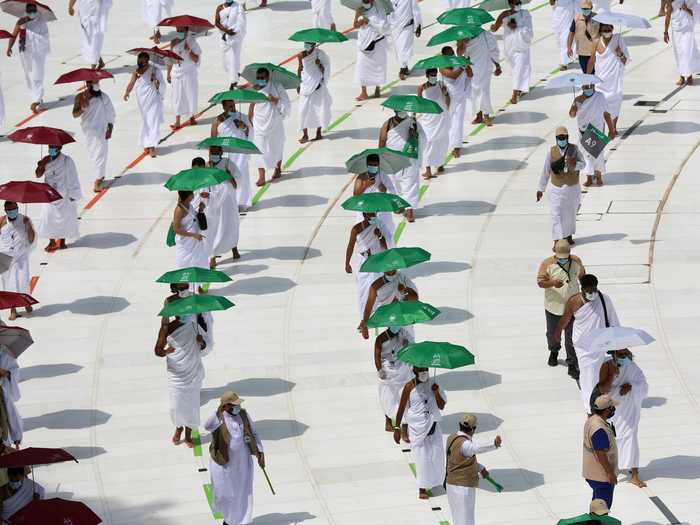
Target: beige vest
x=584 y=47
x=566 y=178
x=461 y=471
x=592 y=469
x=555 y=298
x=221 y=437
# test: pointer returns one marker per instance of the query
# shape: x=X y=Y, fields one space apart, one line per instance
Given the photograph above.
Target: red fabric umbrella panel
x=41 y=135
x=28 y=192
x=32 y=456
x=18 y=8
x=83 y=74
x=15 y=300
x=55 y=511
x=156 y=55
x=186 y=21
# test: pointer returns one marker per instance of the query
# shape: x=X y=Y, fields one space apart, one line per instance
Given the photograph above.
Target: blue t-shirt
x=600 y=440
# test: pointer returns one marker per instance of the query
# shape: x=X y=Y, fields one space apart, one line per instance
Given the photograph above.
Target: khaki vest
x=555 y=298
x=221 y=437
x=584 y=47
x=592 y=469
x=461 y=471
x=568 y=177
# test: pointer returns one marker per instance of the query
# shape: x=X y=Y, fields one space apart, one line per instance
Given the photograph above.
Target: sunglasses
x=562 y=137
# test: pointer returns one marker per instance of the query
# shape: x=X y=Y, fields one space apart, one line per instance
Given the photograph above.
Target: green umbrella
x=318 y=35
x=278 y=74
x=196 y=178
x=431 y=354
x=230 y=145
x=402 y=313
x=412 y=104
x=390 y=161
x=464 y=16
x=454 y=33
x=375 y=202
x=394 y=259
x=195 y=304
x=497 y=5
x=356 y=4
x=194 y=274
x=583 y=518
x=439 y=61
x=238 y=95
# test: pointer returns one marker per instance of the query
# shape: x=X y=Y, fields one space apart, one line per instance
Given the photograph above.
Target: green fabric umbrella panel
x=439 y=61
x=375 y=202
x=390 y=161
x=455 y=33
x=318 y=35
x=238 y=95
x=431 y=354
x=194 y=274
x=402 y=313
x=195 y=304
x=584 y=518
x=230 y=145
x=196 y=178
x=278 y=74
x=412 y=104
x=464 y=16
x=394 y=259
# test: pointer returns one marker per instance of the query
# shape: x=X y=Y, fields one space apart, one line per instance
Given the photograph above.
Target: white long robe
x=10 y=390
x=188 y=250
x=156 y=10
x=185 y=77
x=22 y=497
x=268 y=126
x=397 y=373
x=389 y=292
x=516 y=44
x=460 y=90
x=93 y=23
x=227 y=227
x=185 y=376
x=37 y=47
x=314 y=97
x=483 y=52
x=232 y=484
x=592 y=112
x=150 y=100
x=591 y=317
x=563 y=200
x=370 y=67
x=610 y=69
x=454 y=4
x=434 y=129
x=228 y=128
x=386 y=217
x=2 y=108
x=685 y=47
x=59 y=219
x=627 y=413
x=367 y=242
x=406 y=181
x=94 y=121
x=322 y=15
x=14 y=242
x=428 y=450
x=404 y=20
x=562 y=16
x=233 y=17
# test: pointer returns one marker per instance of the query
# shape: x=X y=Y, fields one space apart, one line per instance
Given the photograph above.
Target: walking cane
x=269 y=483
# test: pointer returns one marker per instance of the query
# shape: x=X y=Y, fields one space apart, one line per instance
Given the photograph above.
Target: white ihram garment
x=268 y=126
x=389 y=292
x=185 y=376
x=227 y=218
x=367 y=242
x=314 y=98
x=428 y=450
x=406 y=181
x=460 y=90
x=563 y=200
x=610 y=69
x=33 y=56
x=516 y=44
x=11 y=394
x=228 y=128
x=321 y=11
x=454 y=4
x=235 y=18
x=156 y=10
x=93 y=22
x=434 y=129
x=404 y=20
x=14 y=242
x=188 y=250
x=562 y=16
x=94 y=121
x=21 y=498
x=592 y=111
x=370 y=69
x=483 y=52
x=627 y=413
x=386 y=217
x=685 y=48
x=59 y=219
x=396 y=372
x=185 y=78
x=150 y=100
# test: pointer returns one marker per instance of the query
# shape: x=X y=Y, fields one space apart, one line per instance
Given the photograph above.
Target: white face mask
x=389 y=277
x=184 y=293
x=423 y=376
x=432 y=80
x=236 y=410
x=516 y=8
x=607 y=34
x=401 y=114
x=32 y=15
x=590 y=296
x=366 y=6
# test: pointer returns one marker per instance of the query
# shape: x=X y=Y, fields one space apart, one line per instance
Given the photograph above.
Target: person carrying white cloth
x=370 y=68
x=563 y=13
x=93 y=22
x=434 y=129
x=150 y=90
x=314 y=98
x=232 y=21
x=16 y=240
x=405 y=21
x=393 y=373
x=483 y=52
x=609 y=60
x=517 y=39
x=323 y=17
x=233 y=123
x=184 y=76
x=399 y=133
x=391 y=287
x=681 y=16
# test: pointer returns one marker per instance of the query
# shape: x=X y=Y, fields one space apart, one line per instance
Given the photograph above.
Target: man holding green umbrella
x=390 y=287
x=434 y=128
x=314 y=98
x=517 y=38
x=393 y=373
x=188 y=225
x=374 y=180
x=458 y=81
x=483 y=52
x=231 y=19
x=405 y=22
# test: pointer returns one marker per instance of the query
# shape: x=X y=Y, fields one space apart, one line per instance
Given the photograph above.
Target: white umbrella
x=15 y=339
x=497 y=5
x=614 y=338
x=572 y=80
x=622 y=19
x=18 y=8
x=356 y=4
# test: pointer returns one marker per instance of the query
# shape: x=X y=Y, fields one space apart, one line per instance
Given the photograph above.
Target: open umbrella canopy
x=395 y=259
x=15 y=339
x=402 y=313
x=196 y=178
x=186 y=21
x=5 y=34
x=83 y=74
x=439 y=61
x=614 y=338
x=278 y=74
x=455 y=33
x=463 y=16
x=375 y=202
x=195 y=304
x=31 y=456
x=18 y=8
x=431 y=354
x=230 y=145
x=412 y=104
x=622 y=19
x=193 y=274
x=585 y=518
x=390 y=161
x=238 y=95
x=156 y=55
x=16 y=300
x=386 y=5
x=55 y=511
x=572 y=79
x=497 y=5
x=318 y=35
x=28 y=192
x=41 y=135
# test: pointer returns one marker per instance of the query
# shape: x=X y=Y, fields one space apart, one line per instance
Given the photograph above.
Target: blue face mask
x=12 y=214
x=180 y=34
x=236 y=410
x=215 y=158
x=373 y=170
x=261 y=82
x=586 y=12
x=374 y=221
x=308 y=46
x=32 y=15
x=562 y=260
x=53 y=152
x=432 y=80
x=562 y=143
x=229 y=2
x=622 y=361
x=394 y=329
x=588 y=92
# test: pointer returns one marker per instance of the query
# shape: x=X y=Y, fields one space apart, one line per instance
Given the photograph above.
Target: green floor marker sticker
x=339 y=121
x=478 y=129
x=399 y=230
x=197 y=440
x=422 y=191
x=260 y=193
x=294 y=157
x=540 y=6
x=389 y=85
x=210 y=499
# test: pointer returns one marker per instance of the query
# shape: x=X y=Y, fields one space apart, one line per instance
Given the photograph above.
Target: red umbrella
x=35 y=456
x=83 y=75
x=5 y=34
x=28 y=192
x=15 y=300
x=16 y=339
x=55 y=511
x=18 y=8
x=157 y=55
x=186 y=21
x=41 y=135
